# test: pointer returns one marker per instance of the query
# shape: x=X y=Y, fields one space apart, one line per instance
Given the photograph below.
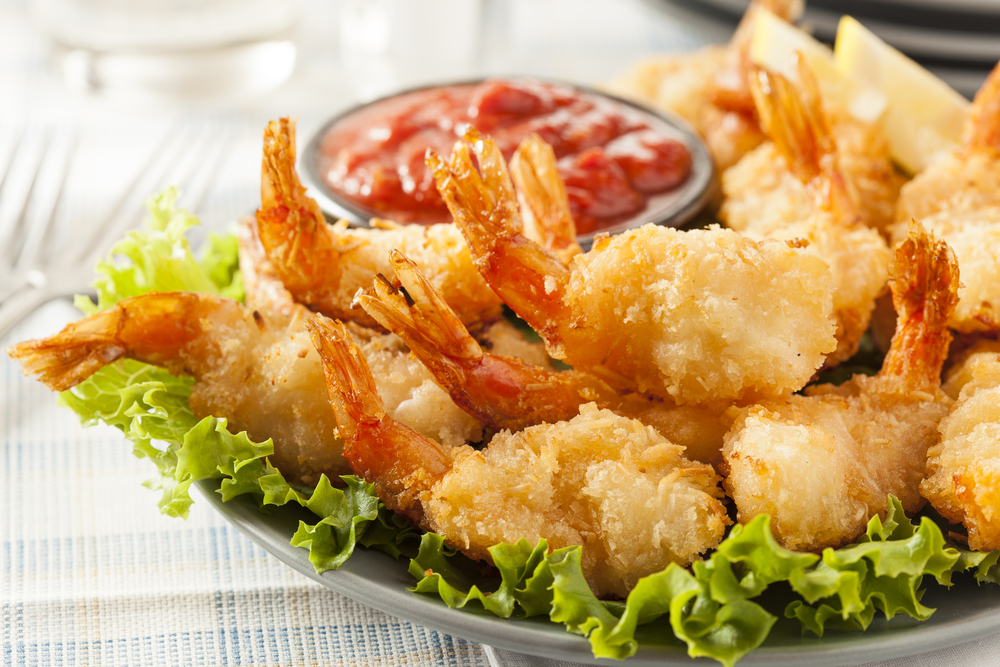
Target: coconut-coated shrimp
x=967 y=179
x=958 y=198
x=709 y=87
x=698 y=316
x=504 y=392
x=262 y=287
x=963 y=470
x=818 y=154
x=262 y=374
x=323 y=266
x=793 y=187
x=606 y=482
x=822 y=465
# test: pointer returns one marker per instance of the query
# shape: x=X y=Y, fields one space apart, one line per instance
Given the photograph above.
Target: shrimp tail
x=484 y=207
x=924 y=286
x=501 y=392
x=402 y=464
x=65 y=360
x=415 y=311
x=793 y=118
x=290 y=224
x=153 y=328
x=730 y=89
x=982 y=125
x=542 y=195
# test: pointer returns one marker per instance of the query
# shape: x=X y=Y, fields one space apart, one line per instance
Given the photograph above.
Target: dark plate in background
x=958 y=40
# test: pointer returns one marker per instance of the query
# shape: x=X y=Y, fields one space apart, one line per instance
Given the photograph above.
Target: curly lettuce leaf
x=883 y=570
x=517 y=564
x=716 y=608
x=159 y=258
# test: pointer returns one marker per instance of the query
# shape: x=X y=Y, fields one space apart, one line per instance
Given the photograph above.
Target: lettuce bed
x=711 y=607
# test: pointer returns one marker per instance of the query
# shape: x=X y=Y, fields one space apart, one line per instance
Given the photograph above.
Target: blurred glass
x=172 y=49
x=389 y=45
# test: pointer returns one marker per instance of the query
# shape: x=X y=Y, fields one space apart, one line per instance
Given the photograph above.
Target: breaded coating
x=699 y=316
x=959 y=199
x=963 y=365
x=800 y=186
x=756 y=205
x=963 y=480
x=822 y=465
x=703 y=316
x=966 y=180
x=263 y=376
x=608 y=483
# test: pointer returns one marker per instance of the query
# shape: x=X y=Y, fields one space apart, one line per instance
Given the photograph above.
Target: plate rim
x=273 y=531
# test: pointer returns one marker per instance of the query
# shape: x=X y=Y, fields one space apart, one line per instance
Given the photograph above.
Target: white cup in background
x=155 y=50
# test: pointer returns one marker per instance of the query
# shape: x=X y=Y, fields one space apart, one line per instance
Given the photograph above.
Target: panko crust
x=266 y=379
x=822 y=465
x=700 y=316
x=609 y=483
x=963 y=481
x=963 y=365
x=763 y=199
x=961 y=182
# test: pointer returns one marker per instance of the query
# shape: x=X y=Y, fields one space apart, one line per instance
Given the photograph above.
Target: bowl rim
x=682 y=202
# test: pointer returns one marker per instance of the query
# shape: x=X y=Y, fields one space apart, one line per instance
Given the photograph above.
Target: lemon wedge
x=773 y=46
x=924 y=117
x=775 y=42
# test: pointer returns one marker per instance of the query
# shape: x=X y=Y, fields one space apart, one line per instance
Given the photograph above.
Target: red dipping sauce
x=610 y=156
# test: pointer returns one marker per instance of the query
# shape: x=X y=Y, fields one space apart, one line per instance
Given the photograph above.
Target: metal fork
x=34 y=164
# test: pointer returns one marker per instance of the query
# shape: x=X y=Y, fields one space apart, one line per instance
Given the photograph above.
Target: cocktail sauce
x=610 y=156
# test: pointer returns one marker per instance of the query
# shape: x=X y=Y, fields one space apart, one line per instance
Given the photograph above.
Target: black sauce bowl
x=671 y=208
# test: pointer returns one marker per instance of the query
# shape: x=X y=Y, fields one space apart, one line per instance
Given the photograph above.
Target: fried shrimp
x=504 y=392
x=793 y=187
x=700 y=316
x=958 y=199
x=263 y=375
x=262 y=287
x=709 y=87
x=323 y=266
x=608 y=483
x=967 y=179
x=822 y=465
x=963 y=470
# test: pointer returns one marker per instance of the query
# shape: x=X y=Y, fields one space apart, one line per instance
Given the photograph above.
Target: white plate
x=964 y=613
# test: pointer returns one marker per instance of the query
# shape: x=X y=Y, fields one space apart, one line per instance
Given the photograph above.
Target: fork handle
x=21 y=305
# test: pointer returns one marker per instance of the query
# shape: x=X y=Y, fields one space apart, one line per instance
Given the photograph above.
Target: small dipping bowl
x=672 y=207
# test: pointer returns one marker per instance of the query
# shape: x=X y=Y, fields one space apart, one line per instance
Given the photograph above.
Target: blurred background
x=120 y=79
x=124 y=78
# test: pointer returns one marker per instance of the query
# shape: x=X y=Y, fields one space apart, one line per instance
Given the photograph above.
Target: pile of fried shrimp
x=690 y=398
